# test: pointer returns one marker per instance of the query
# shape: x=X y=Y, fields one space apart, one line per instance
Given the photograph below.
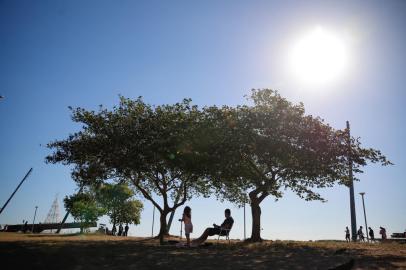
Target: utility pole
x=181 y=221
x=33 y=222
x=351 y=186
x=244 y=223
x=153 y=220
x=365 y=215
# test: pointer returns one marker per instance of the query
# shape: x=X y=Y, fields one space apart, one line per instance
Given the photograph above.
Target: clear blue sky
x=84 y=53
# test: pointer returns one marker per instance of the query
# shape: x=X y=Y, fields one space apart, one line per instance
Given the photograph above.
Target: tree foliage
x=84 y=208
x=119 y=204
x=150 y=146
x=243 y=153
x=272 y=145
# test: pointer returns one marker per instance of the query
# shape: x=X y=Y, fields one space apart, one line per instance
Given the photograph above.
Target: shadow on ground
x=129 y=254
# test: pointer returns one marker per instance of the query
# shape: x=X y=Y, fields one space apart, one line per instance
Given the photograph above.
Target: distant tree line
x=244 y=154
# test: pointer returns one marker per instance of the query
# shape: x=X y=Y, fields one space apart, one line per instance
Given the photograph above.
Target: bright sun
x=319 y=57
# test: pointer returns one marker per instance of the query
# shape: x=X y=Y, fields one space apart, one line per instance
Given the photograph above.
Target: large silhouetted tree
x=243 y=153
x=150 y=146
x=261 y=149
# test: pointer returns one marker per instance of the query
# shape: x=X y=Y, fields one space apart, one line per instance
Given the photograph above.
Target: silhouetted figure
x=361 y=234
x=126 y=230
x=187 y=220
x=382 y=232
x=113 y=230
x=371 y=234
x=22 y=225
x=25 y=227
x=347 y=234
x=120 y=230
x=227 y=224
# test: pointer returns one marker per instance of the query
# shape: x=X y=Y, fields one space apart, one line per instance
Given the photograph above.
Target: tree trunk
x=256 y=221
x=163 y=231
x=174 y=210
x=114 y=225
x=171 y=219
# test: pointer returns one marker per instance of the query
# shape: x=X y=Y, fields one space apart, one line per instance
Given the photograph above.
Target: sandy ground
x=19 y=251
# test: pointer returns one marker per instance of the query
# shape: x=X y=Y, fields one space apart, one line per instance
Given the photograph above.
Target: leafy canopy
x=273 y=145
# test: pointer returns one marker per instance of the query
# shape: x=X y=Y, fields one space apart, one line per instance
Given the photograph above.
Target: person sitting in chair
x=216 y=229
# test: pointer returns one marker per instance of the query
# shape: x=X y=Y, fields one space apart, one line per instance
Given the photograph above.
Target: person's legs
x=202 y=238
x=208 y=232
x=187 y=239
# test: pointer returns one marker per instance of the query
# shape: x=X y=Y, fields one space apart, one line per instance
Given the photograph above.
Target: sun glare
x=319 y=57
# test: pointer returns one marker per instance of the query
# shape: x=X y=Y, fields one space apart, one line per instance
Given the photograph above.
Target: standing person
x=361 y=234
x=25 y=227
x=382 y=232
x=371 y=234
x=120 y=229
x=22 y=226
x=126 y=230
x=113 y=230
x=347 y=234
x=187 y=220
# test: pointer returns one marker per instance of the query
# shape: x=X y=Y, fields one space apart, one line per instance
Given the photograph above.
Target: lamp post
x=33 y=222
x=365 y=215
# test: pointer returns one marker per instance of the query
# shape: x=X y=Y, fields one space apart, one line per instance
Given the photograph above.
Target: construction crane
x=22 y=181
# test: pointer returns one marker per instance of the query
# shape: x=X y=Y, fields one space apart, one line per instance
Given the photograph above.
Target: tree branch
x=145 y=193
x=263 y=196
x=184 y=197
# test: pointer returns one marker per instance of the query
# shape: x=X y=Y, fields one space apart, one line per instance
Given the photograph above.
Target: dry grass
x=108 y=252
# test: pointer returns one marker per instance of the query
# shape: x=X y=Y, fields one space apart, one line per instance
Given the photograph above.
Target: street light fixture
x=365 y=215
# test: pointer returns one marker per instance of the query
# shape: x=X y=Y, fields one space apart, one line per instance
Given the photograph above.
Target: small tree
x=118 y=201
x=130 y=212
x=83 y=208
x=260 y=150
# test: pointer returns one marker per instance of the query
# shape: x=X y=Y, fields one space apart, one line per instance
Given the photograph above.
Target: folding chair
x=224 y=232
